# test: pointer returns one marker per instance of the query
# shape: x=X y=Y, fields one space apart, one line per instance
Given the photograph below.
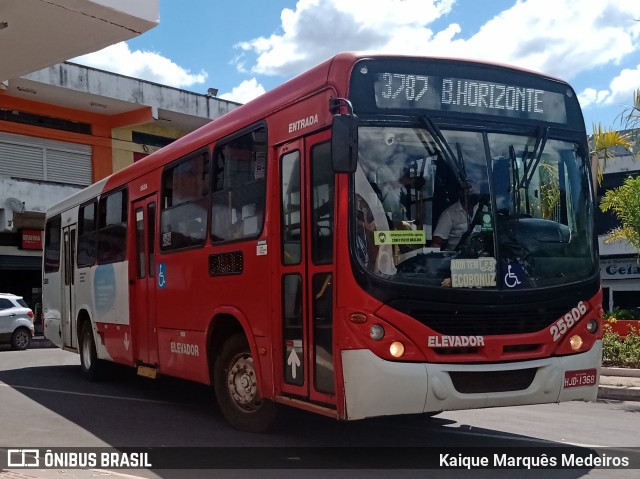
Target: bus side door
x=305 y=285
x=68 y=314
x=142 y=277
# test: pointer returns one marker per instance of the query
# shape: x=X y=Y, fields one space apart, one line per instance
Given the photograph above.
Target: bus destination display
x=410 y=91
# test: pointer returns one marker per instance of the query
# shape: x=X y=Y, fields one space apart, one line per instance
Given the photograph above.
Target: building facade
x=619 y=261
x=65 y=127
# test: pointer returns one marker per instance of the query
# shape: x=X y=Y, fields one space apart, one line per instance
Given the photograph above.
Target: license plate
x=583 y=377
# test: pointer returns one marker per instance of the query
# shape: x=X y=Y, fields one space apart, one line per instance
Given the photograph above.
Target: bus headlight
x=376 y=332
x=575 y=342
x=592 y=326
x=396 y=349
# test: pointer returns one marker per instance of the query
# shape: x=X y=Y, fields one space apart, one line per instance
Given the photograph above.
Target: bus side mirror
x=344 y=143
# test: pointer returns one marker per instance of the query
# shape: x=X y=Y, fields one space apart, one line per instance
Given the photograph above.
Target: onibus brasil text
x=77 y=459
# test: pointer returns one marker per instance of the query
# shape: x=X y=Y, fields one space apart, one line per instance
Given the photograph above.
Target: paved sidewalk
x=621 y=384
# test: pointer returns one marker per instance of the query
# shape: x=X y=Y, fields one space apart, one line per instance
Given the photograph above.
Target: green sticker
x=400 y=237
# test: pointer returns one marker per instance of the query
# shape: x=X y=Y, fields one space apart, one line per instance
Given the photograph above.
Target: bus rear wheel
x=90 y=365
x=236 y=387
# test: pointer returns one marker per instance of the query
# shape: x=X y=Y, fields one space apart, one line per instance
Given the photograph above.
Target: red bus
x=285 y=252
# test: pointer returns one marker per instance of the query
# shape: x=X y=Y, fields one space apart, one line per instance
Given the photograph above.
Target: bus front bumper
x=376 y=387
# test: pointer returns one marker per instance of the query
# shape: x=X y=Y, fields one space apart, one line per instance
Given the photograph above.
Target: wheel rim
x=242 y=383
x=22 y=339
x=86 y=350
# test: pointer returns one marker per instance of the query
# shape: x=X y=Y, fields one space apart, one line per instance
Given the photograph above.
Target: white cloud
x=246 y=91
x=566 y=42
x=149 y=66
x=591 y=96
x=560 y=37
x=563 y=38
x=623 y=86
x=620 y=92
x=317 y=29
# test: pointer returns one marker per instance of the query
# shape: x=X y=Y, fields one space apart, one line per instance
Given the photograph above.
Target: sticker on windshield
x=473 y=273
x=400 y=237
x=513 y=275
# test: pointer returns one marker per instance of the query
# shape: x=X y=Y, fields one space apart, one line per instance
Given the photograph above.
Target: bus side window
x=87 y=233
x=112 y=227
x=185 y=189
x=322 y=180
x=52 y=245
x=290 y=208
x=239 y=187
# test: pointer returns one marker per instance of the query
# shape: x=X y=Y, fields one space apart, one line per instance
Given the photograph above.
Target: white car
x=16 y=321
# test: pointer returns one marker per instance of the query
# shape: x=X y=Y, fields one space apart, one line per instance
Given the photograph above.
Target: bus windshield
x=472 y=208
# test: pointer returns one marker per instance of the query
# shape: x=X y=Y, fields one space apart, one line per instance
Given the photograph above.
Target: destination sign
x=405 y=90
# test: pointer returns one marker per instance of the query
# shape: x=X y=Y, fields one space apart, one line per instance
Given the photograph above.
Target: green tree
x=624 y=202
x=601 y=145
x=631 y=117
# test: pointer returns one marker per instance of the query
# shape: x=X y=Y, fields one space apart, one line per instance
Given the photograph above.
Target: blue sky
x=246 y=47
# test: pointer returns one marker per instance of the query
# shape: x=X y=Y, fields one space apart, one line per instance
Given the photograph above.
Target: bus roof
x=77 y=198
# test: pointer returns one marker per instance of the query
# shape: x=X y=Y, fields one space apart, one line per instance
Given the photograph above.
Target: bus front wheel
x=236 y=388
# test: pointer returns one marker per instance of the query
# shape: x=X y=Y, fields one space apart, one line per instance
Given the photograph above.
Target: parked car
x=16 y=321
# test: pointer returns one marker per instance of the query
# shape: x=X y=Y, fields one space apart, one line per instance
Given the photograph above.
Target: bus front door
x=307 y=272
x=69 y=336
x=143 y=281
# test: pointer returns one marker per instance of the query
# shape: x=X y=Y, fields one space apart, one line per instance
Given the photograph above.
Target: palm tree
x=601 y=144
x=630 y=118
x=624 y=201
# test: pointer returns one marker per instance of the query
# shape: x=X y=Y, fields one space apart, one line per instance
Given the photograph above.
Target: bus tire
x=90 y=365
x=236 y=388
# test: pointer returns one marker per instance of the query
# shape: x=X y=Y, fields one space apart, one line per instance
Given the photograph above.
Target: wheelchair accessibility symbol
x=162 y=275
x=511 y=279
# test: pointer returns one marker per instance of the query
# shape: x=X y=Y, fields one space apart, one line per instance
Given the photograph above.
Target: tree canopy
x=624 y=202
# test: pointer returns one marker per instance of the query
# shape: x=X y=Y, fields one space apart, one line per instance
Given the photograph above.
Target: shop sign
x=620 y=268
x=31 y=239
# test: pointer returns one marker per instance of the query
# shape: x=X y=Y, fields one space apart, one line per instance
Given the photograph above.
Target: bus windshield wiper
x=531 y=165
x=530 y=161
x=515 y=178
x=463 y=167
x=456 y=164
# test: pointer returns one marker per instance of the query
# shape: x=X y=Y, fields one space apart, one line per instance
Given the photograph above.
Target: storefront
x=620 y=283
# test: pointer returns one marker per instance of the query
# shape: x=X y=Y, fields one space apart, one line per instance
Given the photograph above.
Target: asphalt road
x=44 y=403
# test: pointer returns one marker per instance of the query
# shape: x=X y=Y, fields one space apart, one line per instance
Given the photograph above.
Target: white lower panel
x=375 y=387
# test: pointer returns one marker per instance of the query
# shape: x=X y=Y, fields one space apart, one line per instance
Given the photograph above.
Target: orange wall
x=100 y=140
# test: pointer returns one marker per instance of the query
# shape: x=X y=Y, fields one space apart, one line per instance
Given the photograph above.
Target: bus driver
x=455 y=220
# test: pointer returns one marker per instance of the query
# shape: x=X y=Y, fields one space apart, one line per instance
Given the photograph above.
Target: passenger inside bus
x=371 y=217
x=454 y=221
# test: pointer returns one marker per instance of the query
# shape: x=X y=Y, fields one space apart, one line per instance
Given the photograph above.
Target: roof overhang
x=36 y=33
x=126 y=101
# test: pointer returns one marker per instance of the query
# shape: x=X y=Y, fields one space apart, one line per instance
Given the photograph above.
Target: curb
x=619 y=393
x=620 y=372
x=620 y=384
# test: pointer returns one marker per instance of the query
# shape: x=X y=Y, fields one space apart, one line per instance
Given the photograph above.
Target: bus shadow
x=127 y=411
